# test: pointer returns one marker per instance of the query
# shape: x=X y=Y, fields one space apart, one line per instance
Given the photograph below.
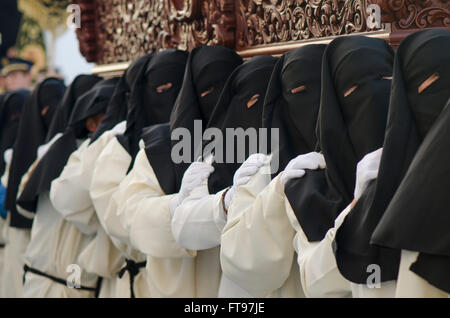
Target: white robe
x=143 y=209
x=318 y=269
x=54 y=246
x=110 y=169
x=16 y=242
x=70 y=195
x=410 y=285
x=198 y=224
x=257 y=251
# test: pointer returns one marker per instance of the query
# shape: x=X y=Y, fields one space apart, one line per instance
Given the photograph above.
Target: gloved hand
x=367 y=170
x=296 y=167
x=120 y=128
x=243 y=174
x=42 y=149
x=193 y=176
x=7 y=156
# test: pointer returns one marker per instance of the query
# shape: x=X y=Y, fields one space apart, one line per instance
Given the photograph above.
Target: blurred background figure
x=16 y=74
x=36 y=31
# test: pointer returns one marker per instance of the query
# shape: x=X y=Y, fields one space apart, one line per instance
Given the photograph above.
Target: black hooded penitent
x=347 y=129
x=411 y=114
x=207 y=70
x=90 y=104
x=33 y=127
x=417 y=217
x=153 y=94
x=292 y=102
x=118 y=105
x=11 y=109
x=80 y=85
x=240 y=106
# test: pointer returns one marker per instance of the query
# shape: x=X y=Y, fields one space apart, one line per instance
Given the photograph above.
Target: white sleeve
x=143 y=209
x=319 y=274
x=257 y=251
x=198 y=222
x=110 y=169
x=69 y=192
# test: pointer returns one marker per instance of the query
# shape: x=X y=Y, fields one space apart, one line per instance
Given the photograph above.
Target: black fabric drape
x=411 y=114
x=33 y=126
x=234 y=111
x=80 y=85
x=347 y=129
x=11 y=109
x=158 y=148
x=118 y=105
x=153 y=95
x=291 y=109
x=207 y=70
x=417 y=218
x=92 y=103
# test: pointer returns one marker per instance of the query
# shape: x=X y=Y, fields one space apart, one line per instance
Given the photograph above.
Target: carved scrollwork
x=272 y=21
x=412 y=14
x=121 y=30
x=133 y=28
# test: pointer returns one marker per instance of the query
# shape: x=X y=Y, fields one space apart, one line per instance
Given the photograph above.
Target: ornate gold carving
x=411 y=14
x=133 y=28
x=115 y=31
x=272 y=21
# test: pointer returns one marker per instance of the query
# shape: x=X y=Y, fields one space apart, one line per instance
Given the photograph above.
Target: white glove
x=367 y=170
x=193 y=177
x=244 y=173
x=42 y=149
x=296 y=167
x=7 y=155
x=120 y=128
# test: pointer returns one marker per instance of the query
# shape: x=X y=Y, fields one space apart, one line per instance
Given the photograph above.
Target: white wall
x=66 y=56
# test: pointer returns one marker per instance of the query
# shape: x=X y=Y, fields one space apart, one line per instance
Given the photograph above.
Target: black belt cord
x=133 y=269
x=27 y=268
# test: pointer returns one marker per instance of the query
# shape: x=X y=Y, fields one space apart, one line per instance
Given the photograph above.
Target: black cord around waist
x=133 y=269
x=27 y=268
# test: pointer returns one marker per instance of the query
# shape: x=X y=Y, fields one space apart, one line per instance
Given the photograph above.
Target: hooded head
x=92 y=103
x=419 y=93
x=292 y=101
x=33 y=127
x=420 y=90
x=11 y=109
x=240 y=107
x=80 y=85
x=89 y=105
x=207 y=70
x=354 y=104
x=153 y=94
x=351 y=123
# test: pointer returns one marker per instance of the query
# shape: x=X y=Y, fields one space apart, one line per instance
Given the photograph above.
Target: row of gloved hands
x=198 y=172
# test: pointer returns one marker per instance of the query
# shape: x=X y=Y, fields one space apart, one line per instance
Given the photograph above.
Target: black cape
x=153 y=95
x=80 y=85
x=410 y=117
x=207 y=70
x=347 y=129
x=417 y=217
x=33 y=127
x=290 y=110
x=118 y=105
x=234 y=111
x=50 y=166
x=11 y=109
